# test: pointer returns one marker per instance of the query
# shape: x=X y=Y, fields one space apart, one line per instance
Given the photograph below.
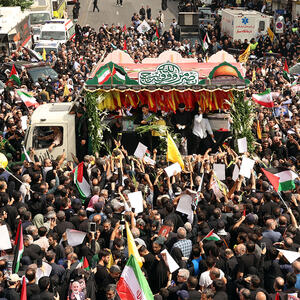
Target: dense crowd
x=250 y=219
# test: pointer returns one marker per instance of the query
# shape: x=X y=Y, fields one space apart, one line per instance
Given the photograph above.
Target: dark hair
x=30 y=274
x=103 y=253
x=42 y=231
x=44 y=282
x=250 y=246
x=192 y=281
x=210 y=262
x=219 y=285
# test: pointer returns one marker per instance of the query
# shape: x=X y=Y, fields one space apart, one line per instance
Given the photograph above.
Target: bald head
x=260 y=296
x=240 y=249
x=279 y=284
x=296 y=266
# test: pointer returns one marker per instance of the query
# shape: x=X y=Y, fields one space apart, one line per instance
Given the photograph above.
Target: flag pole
x=282 y=200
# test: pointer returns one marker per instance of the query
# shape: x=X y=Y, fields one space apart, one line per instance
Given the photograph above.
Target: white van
x=48 y=46
x=58 y=30
x=48 y=119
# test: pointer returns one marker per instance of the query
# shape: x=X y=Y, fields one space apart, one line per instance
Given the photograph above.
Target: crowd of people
x=248 y=216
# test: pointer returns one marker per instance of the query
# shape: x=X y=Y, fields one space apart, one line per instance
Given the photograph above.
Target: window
x=71 y=31
x=39 y=18
x=55 y=35
x=42 y=72
x=47 y=136
x=261 y=26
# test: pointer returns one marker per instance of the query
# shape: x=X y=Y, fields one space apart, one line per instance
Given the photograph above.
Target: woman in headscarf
x=38 y=221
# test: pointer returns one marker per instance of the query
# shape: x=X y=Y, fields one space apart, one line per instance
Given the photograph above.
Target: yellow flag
x=66 y=91
x=44 y=54
x=271 y=34
x=111 y=261
x=258 y=130
x=253 y=75
x=173 y=153
x=244 y=57
x=132 y=249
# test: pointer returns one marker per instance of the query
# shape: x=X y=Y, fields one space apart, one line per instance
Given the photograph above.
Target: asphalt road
x=110 y=13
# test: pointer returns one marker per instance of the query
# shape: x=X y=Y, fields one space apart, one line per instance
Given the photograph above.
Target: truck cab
x=37 y=19
x=52 y=122
x=58 y=30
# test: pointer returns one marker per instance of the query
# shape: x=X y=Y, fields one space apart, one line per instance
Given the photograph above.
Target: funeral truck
x=244 y=24
x=49 y=122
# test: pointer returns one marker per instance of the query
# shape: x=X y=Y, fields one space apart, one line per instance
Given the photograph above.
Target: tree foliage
x=23 y=3
x=242 y=115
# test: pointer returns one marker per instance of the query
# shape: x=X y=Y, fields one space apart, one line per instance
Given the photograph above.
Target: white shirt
x=205 y=279
x=23 y=190
x=201 y=127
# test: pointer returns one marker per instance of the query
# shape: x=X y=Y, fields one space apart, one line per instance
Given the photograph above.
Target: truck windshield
x=55 y=35
x=39 y=18
x=42 y=72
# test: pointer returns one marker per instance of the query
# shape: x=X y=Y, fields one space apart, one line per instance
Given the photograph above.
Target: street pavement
x=110 y=13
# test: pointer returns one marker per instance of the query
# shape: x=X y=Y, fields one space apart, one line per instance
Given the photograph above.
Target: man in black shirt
x=102 y=276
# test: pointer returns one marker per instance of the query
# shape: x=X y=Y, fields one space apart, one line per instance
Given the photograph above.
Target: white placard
x=149 y=161
x=143 y=27
x=24 y=122
x=185 y=204
x=140 y=150
x=242 y=145
x=136 y=201
x=173 y=169
x=45 y=270
x=216 y=189
x=173 y=266
x=5 y=240
x=246 y=167
x=236 y=171
x=75 y=237
x=291 y=256
x=219 y=170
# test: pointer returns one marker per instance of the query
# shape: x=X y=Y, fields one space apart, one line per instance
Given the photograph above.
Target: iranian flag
x=14 y=76
x=104 y=75
x=211 y=236
x=27 y=99
x=120 y=74
x=264 y=99
x=133 y=284
x=19 y=249
x=282 y=179
x=81 y=181
x=205 y=42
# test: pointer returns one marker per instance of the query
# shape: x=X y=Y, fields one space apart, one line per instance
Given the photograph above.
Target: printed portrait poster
x=77 y=290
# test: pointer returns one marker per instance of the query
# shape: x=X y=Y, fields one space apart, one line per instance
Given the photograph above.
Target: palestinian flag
x=156 y=36
x=286 y=71
x=13 y=76
x=27 y=99
x=264 y=98
x=24 y=290
x=84 y=264
x=104 y=75
x=205 y=42
x=81 y=181
x=19 y=249
x=120 y=74
x=282 y=179
x=211 y=236
x=125 y=46
x=133 y=284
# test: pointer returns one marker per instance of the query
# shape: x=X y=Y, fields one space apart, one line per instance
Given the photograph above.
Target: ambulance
x=57 y=30
x=244 y=24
